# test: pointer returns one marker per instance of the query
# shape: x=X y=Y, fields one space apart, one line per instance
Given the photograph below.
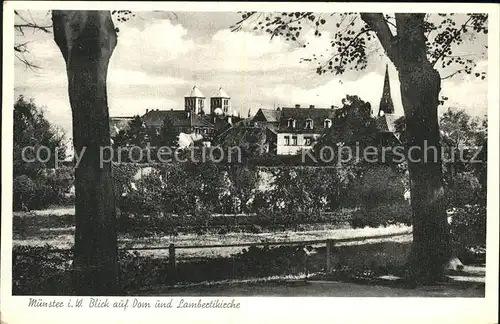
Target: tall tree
x=354 y=126
x=137 y=133
x=87 y=40
x=169 y=135
x=406 y=40
x=32 y=129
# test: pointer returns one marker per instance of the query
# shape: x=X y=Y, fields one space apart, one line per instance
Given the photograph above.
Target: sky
x=160 y=56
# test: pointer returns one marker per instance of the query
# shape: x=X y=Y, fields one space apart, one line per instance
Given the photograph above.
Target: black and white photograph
x=188 y=158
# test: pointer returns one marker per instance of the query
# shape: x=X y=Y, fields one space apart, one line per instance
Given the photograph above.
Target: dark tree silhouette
x=87 y=40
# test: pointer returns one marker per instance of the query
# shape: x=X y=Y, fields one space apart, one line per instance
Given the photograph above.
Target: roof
x=301 y=115
x=196 y=93
x=387 y=123
x=237 y=125
x=220 y=94
x=117 y=124
x=180 y=118
x=269 y=115
x=244 y=132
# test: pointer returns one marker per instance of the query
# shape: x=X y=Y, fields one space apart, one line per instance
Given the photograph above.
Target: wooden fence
x=330 y=243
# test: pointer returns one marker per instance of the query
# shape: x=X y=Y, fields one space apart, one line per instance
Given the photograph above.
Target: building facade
x=300 y=128
x=296 y=128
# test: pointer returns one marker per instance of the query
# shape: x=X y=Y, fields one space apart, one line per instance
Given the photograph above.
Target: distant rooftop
x=387 y=123
x=220 y=94
x=195 y=92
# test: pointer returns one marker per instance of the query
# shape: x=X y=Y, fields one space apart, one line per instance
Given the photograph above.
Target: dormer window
x=309 y=123
x=327 y=123
x=291 y=123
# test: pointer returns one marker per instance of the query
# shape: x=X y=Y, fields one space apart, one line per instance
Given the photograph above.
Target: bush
x=464 y=189
x=61 y=180
x=139 y=203
x=23 y=192
x=382 y=215
x=29 y=194
x=468 y=231
x=40 y=271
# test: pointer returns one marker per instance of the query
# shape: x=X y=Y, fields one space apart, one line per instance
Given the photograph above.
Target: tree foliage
x=33 y=133
x=356 y=126
x=169 y=135
x=355 y=34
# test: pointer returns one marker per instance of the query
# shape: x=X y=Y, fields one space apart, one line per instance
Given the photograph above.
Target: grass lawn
x=62 y=236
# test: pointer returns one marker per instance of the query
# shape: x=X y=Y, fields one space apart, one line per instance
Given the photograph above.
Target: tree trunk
x=86 y=40
x=420 y=87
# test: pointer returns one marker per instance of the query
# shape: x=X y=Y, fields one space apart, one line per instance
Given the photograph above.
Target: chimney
x=332 y=106
x=147 y=110
x=311 y=106
x=297 y=106
x=171 y=109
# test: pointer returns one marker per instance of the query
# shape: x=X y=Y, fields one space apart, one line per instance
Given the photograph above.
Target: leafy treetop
x=354 y=33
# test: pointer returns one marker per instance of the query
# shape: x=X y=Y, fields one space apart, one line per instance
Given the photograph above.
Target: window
x=309 y=123
x=307 y=140
x=327 y=123
x=200 y=103
x=291 y=123
x=287 y=140
x=294 y=140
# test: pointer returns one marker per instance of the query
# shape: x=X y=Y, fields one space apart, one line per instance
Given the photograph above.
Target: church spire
x=386 y=105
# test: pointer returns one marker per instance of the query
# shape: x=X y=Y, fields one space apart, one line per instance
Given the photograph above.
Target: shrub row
x=382 y=215
x=40 y=271
x=49 y=187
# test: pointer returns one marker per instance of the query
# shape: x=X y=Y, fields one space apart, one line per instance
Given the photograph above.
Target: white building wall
x=283 y=149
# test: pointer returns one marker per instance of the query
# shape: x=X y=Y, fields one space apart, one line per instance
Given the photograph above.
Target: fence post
x=329 y=249
x=171 y=262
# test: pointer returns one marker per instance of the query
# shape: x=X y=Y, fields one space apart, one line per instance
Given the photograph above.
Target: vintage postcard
x=203 y=161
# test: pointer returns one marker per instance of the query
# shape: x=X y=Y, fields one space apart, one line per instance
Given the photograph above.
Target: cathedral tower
x=195 y=101
x=221 y=100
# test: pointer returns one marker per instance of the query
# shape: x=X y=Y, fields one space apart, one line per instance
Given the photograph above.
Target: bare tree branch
x=379 y=25
x=451 y=75
x=21 y=48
